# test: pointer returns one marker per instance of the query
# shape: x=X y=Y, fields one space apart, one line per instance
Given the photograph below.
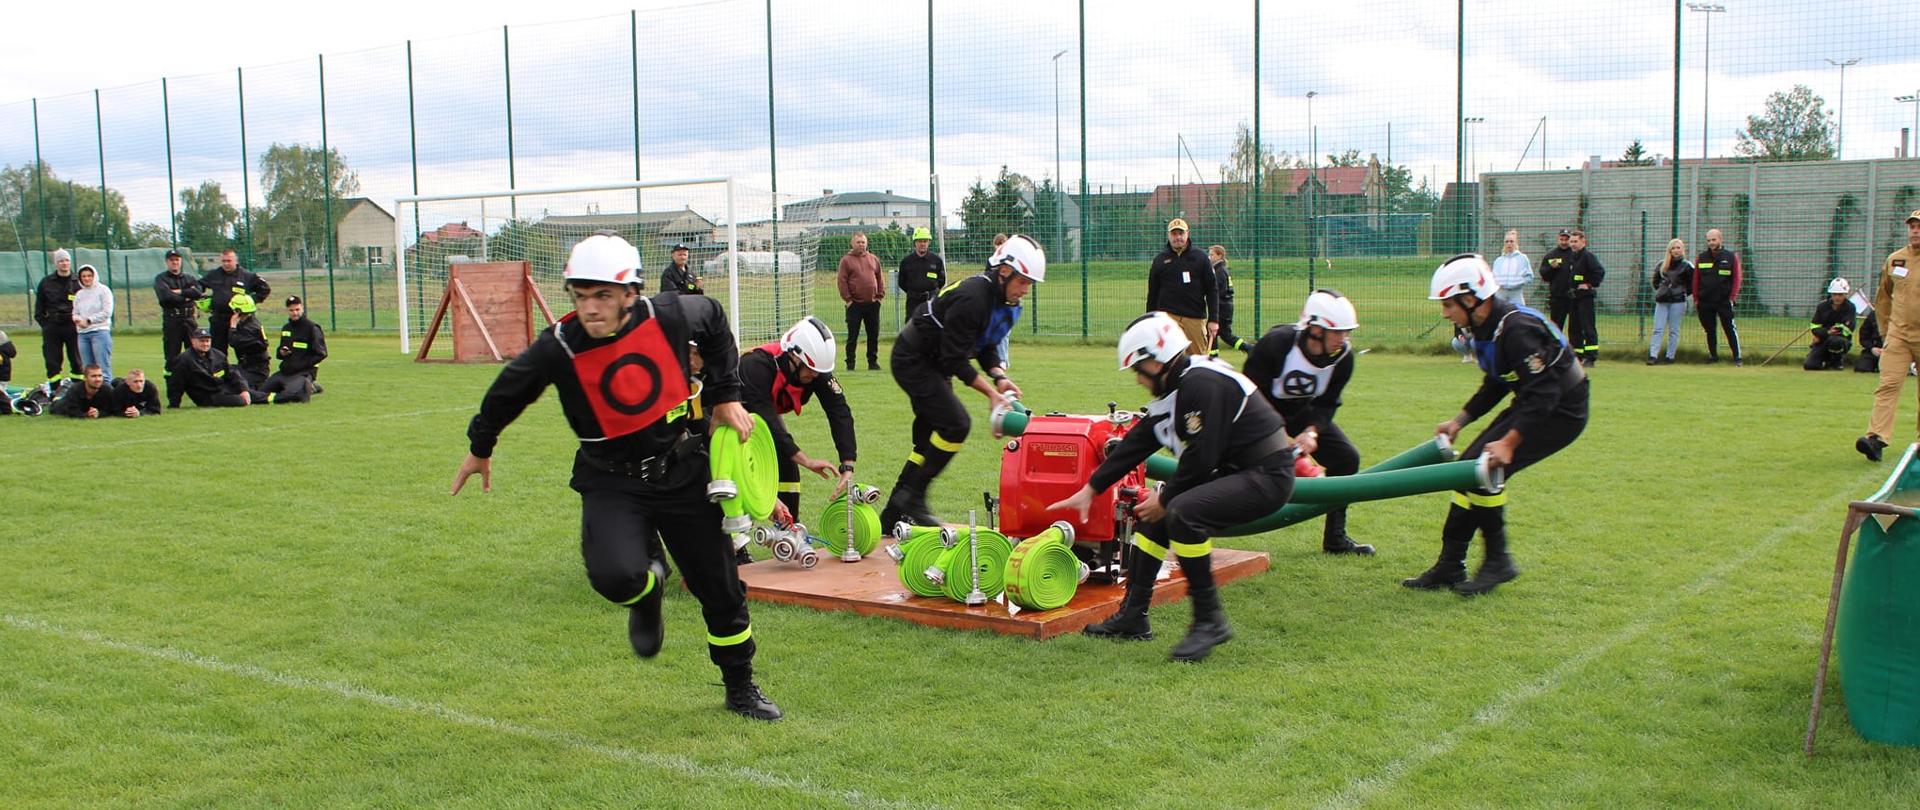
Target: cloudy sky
x=1166 y=86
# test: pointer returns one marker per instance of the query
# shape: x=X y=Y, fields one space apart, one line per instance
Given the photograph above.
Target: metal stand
x=975 y=596
x=1857 y=513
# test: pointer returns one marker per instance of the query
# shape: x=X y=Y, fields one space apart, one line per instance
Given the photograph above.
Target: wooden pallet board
x=872 y=587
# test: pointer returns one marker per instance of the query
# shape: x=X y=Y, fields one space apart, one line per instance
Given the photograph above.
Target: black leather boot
x=1335 y=540
x=1209 y=629
x=1451 y=568
x=1498 y=566
x=744 y=697
x=1130 y=623
x=644 y=629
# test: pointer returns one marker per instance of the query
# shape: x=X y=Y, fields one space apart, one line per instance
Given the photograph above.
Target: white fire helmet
x=1153 y=336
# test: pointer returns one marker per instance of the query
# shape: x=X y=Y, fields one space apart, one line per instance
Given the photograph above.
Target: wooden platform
x=872 y=587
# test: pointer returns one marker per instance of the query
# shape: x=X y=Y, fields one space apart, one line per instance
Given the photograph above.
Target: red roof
x=1337 y=180
x=451 y=230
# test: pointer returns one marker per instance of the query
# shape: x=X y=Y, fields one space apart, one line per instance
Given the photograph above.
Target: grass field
x=283 y=607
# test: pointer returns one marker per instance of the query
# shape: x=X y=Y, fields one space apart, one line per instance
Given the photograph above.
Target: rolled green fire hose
x=1432 y=452
x=1011 y=421
x=922 y=550
x=1043 y=573
x=750 y=466
x=956 y=565
x=866 y=524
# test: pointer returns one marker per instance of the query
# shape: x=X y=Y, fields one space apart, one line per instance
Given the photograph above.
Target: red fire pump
x=1049 y=461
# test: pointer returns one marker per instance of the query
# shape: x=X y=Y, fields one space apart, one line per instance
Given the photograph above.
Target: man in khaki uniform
x=1897 y=303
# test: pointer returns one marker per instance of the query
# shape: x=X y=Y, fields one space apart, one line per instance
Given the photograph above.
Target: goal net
x=761 y=269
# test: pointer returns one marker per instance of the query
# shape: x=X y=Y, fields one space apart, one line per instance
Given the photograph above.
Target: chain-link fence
x=1342 y=145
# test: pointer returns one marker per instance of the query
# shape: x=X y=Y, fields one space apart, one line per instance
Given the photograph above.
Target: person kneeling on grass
x=1235 y=465
x=1521 y=354
x=1831 y=328
x=620 y=363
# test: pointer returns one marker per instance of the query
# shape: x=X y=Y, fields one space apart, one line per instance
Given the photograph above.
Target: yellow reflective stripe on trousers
x=1200 y=549
x=1154 y=550
x=643 y=591
x=729 y=641
x=789 y=486
x=942 y=443
x=916 y=458
x=1469 y=500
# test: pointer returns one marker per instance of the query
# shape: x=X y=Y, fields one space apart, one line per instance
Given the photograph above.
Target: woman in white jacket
x=93 y=318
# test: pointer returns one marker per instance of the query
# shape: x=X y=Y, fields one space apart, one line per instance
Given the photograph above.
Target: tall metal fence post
x=633 y=53
x=40 y=183
x=126 y=284
x=373 y=312
x=506 y=62
x=333 y=239
x=1640 y=258
x=773 y=169
x=413 y=158
x=1258 y=174
x=173 y=213
x=1673 y=192
x=246 y=184
x=106 y=216
x=1086 y=222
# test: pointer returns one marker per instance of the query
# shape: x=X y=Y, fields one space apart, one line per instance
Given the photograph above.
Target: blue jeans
x=1666 y=323
x=96 y=348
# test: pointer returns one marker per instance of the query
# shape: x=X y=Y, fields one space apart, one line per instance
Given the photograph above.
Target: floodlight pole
x=1840 y=147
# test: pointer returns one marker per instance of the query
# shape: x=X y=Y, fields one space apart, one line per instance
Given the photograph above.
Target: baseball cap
x=680 y=246
x=1177 y=225
x=293 y=299
x=1913 y=216
x=1566 y=231
x=173 y=254
x=201 y=333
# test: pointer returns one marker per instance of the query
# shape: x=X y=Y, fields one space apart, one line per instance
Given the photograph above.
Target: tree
x=1402 y=196
x=297 y=180
x=1636 y=155
x=1347 y=159
x=1795 y=126
x=1001 y=209
x=206 y=219
x=68 y=213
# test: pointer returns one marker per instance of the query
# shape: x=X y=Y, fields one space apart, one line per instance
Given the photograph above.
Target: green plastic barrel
x=1878 y=630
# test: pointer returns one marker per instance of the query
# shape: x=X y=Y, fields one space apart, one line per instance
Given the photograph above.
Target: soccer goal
x=758 y=266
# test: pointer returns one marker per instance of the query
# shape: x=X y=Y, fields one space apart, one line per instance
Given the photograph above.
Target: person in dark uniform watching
x=134 y=397
x=1584 y=274
x=620 y=364
x=176 y=291
x=1869 y=338
x=1831 y=328
x=679 y=276
x=1302 y=369
x=302 y=346
x=201 y=374
x=922 y=272
x=1716 y=290
x=963 y=326
x=778 y=378
x=53 y=311
x=1180 y=283
x=1519 y=354
x=91 y=399
x=248 y=339
x=1235 y=464
x=1223 y=284
x=220 y=285
x=1559 y=285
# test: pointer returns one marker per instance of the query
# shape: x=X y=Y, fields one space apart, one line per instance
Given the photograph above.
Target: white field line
x=667 y=762
x=65 y=448
x=1496 y=712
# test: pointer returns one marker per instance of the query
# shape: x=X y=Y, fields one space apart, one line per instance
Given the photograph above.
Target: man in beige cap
x=1896 y=301
x=1181 y=285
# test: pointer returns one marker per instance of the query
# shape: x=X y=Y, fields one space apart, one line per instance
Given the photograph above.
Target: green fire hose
x=746 y=476
x=866 y=522
x=1043 y=573
x=1010 y=421
x=921 y=551
x=1314 y=496
x=956 y=565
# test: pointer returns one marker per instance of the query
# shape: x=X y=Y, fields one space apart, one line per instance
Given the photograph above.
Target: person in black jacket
x=1870 y=345
x=248 y=339
x=1716 y=289
x=620 y=364
x=134 y=397
x=91 y=399
x=202 y=375
x=1559 y=284
x=1180 y=283
x=679 y=276
x=176 y=291
x=778 y=378
x=1519 y=354
x=302 y=347
x=922 y=272
x=221 y=285
x=53 y=310
x=1584 y=274
x=1831 y=329
x=1302 y=370
x=1223 y=284
x=961 y=327
x=1235 y=464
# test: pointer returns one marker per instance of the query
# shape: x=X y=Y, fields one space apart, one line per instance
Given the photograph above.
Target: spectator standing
x=1513 y=270
x=922 y=272
x=53 y=310
x=222 y=284
x=176 y=291
x=1584 y=275
x=1553 y=271
x=1716 y=289
x=1672 y=281
x=679 y=276
x=93 y=320
x=1223 y=284
x=1180 y=283
x=862 y=287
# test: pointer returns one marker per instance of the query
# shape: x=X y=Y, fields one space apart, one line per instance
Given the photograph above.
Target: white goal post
x=540 y=225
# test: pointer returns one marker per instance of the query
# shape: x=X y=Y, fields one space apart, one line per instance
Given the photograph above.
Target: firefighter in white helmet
x=779 y=378
x=620 y=364
x=1520 y=353
x=960 y=328
x=1235 y=465
x=1302 y=369
x=1832 y=328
